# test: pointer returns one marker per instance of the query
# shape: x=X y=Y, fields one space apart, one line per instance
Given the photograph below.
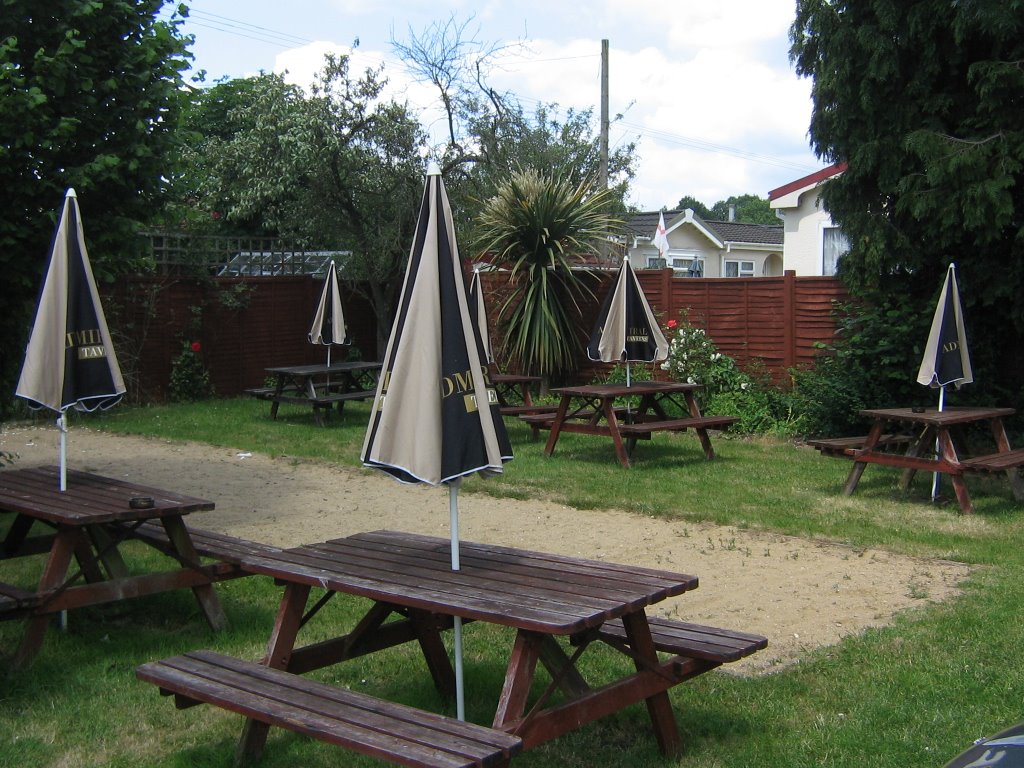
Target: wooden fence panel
x=244 y=325
x=248 y=324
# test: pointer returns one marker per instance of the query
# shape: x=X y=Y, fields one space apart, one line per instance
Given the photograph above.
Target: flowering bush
x=726 y=390
x=189 y=378
x=694 y=358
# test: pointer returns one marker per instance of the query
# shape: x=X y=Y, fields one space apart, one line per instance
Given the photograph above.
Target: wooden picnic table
x=558 y=607
x=320 y=385
x=934 y=441
x=514 y=392
x=88 y=522
x=590 y=409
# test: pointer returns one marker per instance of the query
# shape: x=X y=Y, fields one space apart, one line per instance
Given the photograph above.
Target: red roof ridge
x=807 y=181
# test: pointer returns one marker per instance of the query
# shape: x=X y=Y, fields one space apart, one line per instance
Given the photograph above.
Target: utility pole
x=603 y=178
x=602 y=171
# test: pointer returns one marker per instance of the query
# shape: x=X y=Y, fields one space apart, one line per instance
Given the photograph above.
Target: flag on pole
x=660 y=240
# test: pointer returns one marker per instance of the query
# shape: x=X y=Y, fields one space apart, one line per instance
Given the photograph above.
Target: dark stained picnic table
x=929 y=428
x=590 y=409
x=88 y=522
x=320 y=385
x=540 y=596
x=514 y=392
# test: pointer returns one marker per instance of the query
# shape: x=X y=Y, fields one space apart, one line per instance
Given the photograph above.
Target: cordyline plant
x=541 y=226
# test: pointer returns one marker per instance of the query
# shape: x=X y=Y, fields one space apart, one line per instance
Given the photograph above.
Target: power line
x=698 y=144
x=239 y=28
x=708 y=146
x=229 y=24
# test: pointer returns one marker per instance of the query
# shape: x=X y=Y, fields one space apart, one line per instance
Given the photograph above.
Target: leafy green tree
x=490 y=136
x=210 y=116
x=337 y=168
x=88 y=96
x=545 y=139
x=749 y=209
x=695 y=205
x=539 y=224
x=923 y=100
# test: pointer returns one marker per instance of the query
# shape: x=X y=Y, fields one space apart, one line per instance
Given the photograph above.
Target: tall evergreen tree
x=925 y=101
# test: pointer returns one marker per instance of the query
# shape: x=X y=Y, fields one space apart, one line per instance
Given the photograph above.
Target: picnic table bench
x=713 y=645
x=268 y=393
x=385 y=730
x=643 y=429
x=228 y=551
x=995 y=462
x=848 y=446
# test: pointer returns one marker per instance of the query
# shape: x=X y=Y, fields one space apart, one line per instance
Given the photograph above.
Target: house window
x=833 y=245
x=684 y=264
x=739 y=268
x=656 y=262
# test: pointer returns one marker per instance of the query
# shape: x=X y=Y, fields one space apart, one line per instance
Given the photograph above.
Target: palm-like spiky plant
x=540 y=225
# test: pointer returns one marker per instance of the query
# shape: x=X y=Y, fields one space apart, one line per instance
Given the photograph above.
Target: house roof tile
x=644 y=224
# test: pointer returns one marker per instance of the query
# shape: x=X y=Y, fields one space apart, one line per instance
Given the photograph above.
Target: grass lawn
x=913 y=694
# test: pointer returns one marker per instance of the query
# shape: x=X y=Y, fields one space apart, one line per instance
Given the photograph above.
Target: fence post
x=671 y=310
x=789 y=318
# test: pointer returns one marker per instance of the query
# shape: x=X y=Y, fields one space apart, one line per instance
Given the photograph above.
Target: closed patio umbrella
x=434 y=420
x=946 y=358
x=626 y=329
x=329 y=320
x=478 y=308
x=69 y=360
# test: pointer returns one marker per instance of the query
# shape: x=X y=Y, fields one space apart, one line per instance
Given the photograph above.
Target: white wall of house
x=812 y=239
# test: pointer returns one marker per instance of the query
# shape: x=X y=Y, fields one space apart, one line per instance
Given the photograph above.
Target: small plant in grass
x=190 y=380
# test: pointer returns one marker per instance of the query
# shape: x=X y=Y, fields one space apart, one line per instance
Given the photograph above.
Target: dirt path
x=801 y=594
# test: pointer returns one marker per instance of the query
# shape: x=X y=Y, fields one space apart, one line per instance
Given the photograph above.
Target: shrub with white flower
x=726 y=390
x=694 y=358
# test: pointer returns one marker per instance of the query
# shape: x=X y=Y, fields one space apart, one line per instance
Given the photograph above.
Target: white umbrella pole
x=62 y=425
x=629 y=405
x=453 y=510
x=935 y=475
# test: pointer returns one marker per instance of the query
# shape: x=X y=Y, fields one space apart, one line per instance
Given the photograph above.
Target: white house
x=813 y=244
x=699 y=248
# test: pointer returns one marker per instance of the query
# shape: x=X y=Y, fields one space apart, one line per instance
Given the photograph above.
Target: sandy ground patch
x=801 y=594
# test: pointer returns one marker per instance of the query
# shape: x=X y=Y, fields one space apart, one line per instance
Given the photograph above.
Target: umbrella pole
x=62 y=426
x=453 y=510
x=935 y=475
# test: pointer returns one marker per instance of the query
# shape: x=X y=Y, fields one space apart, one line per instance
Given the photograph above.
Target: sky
x=704 y=87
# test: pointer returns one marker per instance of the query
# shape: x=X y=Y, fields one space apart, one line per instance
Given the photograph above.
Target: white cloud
x=707 y=86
